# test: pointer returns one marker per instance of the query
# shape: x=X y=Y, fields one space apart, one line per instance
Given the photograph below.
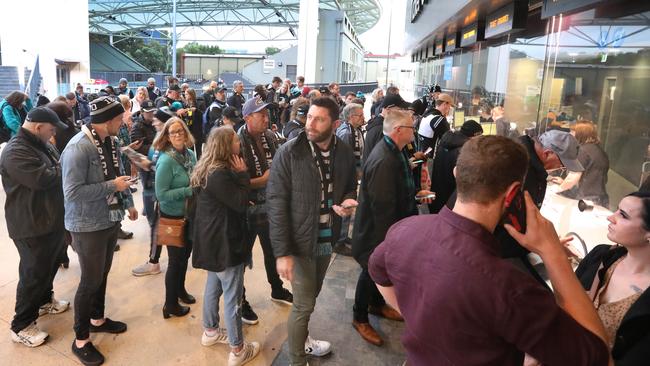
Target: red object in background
x=100 y=81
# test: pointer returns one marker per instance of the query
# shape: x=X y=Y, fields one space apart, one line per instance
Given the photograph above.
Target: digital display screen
x=451 y=42
x=510 y=17
x=555 y=7
x=471 y=34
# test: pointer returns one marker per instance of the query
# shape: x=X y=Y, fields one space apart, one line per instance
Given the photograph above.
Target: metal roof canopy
x=133 y=18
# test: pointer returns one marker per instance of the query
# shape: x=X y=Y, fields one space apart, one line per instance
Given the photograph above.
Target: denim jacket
x=84 y=189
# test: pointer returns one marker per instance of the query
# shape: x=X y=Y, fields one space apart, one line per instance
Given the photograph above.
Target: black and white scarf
x=115 y=199
x=256 y=161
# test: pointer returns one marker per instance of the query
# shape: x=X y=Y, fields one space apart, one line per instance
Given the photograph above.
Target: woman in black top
x=617 y=279
x=220 y=239
x=596 y=163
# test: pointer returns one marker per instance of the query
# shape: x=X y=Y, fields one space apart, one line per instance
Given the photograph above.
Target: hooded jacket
x=443 y=182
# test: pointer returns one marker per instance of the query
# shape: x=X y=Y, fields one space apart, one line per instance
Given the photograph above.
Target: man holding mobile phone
x=387 y=195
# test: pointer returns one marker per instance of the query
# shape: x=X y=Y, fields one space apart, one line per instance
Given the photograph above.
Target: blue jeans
x=230 y=283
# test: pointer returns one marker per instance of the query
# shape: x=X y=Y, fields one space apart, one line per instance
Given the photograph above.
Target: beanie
x=104 y=109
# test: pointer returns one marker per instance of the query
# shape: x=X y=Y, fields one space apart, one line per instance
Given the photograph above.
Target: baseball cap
x=447 y=98
x=147 y=106
x=565 y=146
x=253 y=105
x=220 y=88
x=164 y=114
x=395 y=100
x=45 y=115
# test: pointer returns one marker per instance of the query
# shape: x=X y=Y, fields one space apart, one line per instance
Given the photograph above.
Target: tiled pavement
x=332 y=321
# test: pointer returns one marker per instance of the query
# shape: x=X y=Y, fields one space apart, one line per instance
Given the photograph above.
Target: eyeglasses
x=177 y=133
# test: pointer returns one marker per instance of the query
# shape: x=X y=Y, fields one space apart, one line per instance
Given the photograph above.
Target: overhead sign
x=452 y=41
x=555 y=7
x=510 y=18
x=268 y=65
x=438 y=47
x=416 y=9
x=471 y=34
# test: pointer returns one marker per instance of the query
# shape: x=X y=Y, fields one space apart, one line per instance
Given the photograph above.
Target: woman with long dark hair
x=220 y=240
x=617 y=279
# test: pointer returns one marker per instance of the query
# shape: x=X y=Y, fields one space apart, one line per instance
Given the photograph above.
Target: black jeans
x=38 y=266
x=258 y=225
x=151 y=212
x=95 y=250
x=177 y=267
x=366 y=295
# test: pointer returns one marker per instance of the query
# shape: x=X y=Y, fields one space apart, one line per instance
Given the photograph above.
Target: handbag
x=170 y=232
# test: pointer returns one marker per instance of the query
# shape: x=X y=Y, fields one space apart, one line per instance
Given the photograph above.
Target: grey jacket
x=293 y=194
x=84 y=190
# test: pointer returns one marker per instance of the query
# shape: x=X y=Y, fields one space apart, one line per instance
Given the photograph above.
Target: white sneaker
x=30 y=336
x=146 y=269
x=220 y=336
x=54 y=307
x=317 y=348
x=247 y=353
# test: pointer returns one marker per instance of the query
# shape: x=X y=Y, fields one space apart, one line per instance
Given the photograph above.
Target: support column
x=307 y=39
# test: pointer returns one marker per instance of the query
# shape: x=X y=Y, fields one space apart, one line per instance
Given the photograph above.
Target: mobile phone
x=428 y=151
x=430 y=195
x=419 y=161
x=516 y=212
x=133 y=180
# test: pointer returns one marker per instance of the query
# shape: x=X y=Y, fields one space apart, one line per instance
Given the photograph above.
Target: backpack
x=5 y=132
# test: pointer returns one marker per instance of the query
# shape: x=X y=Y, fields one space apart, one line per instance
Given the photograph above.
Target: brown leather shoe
x=385 y=311
x=368 y=333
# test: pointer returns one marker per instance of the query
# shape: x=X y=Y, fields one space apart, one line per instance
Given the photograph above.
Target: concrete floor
x=151 y=340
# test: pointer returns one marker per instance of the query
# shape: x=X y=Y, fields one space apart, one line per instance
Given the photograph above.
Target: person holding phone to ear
x=387 y=195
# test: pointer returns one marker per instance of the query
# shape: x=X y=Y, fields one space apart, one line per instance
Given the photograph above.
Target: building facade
x=548 y=63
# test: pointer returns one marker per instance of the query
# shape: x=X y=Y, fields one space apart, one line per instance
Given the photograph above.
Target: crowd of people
x=440 y=219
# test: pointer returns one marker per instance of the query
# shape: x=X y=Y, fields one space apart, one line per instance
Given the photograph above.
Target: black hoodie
x=443 y=182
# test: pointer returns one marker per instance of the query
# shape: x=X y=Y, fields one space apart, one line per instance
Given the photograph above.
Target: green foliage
x=202 y=49
x=271 y=50
x=151 y=55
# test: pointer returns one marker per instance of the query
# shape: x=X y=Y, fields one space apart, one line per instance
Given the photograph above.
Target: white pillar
x=307 y=39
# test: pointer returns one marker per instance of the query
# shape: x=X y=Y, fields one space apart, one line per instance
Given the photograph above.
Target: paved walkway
x=151 y=340
x=332 y=321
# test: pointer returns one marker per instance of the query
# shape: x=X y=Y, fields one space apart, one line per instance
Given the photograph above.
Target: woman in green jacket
x=173 y=171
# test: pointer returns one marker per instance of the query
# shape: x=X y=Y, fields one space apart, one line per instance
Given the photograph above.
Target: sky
x=374 y=40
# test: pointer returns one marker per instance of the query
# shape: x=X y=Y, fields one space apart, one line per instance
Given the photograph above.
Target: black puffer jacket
x=220 y=233
x=443 y=182
x=293 y=194
x=31 y=176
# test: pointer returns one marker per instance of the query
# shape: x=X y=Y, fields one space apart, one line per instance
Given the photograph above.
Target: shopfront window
x=598 y=70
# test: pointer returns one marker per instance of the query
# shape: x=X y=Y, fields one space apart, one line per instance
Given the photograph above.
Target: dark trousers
x=177 y=267
x=38 y=266
x=366 y=295
x=95 y=250
x=150 y=211
x=258 y=226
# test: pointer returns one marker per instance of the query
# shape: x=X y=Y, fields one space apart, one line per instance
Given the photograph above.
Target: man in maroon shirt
x=463 y=304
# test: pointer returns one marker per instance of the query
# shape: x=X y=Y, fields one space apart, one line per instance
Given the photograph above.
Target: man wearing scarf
x=258 y=146
x=95 y=195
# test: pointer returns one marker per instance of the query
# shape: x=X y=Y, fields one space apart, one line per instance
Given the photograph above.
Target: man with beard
x=95 y=196
x=153 y=91
x=309 y=189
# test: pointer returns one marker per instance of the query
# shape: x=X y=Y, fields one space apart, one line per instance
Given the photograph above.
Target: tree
x=271 y=50
x=201 y=49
